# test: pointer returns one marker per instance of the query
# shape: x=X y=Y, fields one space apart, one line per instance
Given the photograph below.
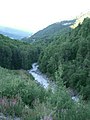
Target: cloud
x=35 y=14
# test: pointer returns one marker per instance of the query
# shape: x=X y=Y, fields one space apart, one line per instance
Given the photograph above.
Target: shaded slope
x=16 y=54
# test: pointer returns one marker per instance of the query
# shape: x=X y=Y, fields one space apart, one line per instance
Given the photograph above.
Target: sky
x=34 y=15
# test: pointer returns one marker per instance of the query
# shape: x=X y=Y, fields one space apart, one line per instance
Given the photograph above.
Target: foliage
x=64 y=58
x=30 y=101
x=17 y=89
x=15 y=54
x=72 y=54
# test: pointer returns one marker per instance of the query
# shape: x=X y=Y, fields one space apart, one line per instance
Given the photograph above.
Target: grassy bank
x=21 y=96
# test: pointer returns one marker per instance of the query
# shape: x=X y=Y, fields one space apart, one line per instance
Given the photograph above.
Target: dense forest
x=15 y=54
x=64 y=58
x=71 y=56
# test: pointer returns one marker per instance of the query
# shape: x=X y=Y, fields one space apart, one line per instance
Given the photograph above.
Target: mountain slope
x=13 y=33
x=51 y=30
x=16 y=54
x=69 y=57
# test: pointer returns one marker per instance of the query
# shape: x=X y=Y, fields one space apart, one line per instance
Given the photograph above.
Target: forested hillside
x=70 y=55
x=15 y=54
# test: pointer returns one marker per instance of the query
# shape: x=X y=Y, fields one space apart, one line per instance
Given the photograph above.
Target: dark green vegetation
x=64 y=57
x=70 y=54
x=15 y=54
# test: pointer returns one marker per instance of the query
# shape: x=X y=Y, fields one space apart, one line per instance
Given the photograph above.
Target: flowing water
x=43 y=80
x=38 y=76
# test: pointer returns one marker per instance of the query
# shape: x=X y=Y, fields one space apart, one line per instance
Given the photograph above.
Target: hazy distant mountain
x=14 y=33
x=80 y=19
x=51 y=30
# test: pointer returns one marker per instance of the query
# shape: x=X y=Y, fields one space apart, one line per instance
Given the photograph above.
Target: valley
x=14 y=33
x=57 y=56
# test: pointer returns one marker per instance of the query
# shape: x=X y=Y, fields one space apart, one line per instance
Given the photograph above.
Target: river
x=38 y=76
x=43 y=79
